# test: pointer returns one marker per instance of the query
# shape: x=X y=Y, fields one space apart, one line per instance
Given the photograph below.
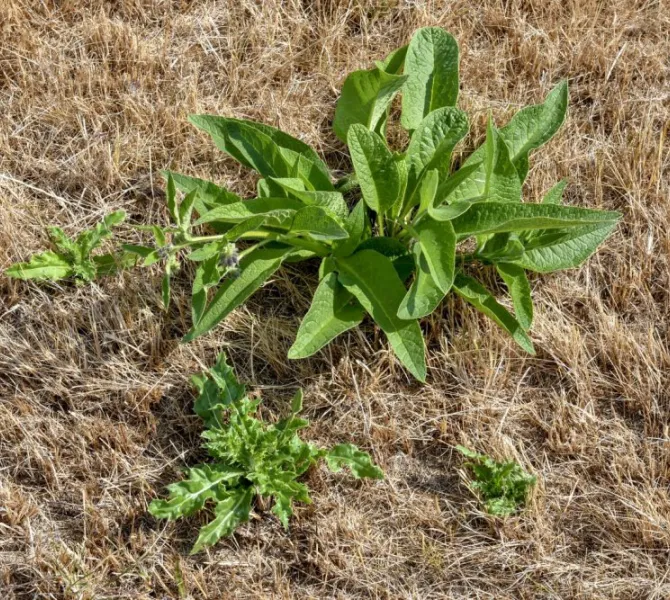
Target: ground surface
x=96 y=408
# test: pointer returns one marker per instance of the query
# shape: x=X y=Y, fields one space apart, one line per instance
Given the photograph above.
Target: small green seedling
x=502 y=487
x=392 y=249
x=249 y=458
x=72 y=257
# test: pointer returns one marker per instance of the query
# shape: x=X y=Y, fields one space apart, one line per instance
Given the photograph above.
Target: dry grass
x=95 y=409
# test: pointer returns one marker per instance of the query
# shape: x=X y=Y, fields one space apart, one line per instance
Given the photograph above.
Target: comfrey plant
x=250 y=458
x=415 y=221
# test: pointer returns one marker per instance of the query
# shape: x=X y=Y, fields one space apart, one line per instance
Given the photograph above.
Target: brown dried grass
x=95 y=409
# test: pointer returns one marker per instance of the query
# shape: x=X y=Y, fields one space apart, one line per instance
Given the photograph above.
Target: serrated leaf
x=47 y=266
x=318 y=223
x=424 y=295
x=372 y=279
x=535 y=125
x=218 y=389
x=432 y=68
x=333 y=311
x=375 y=167
x=365 y=98
x=432 y=143
x=476 y=294
x=189 y=495
x=564 y=249
x=230 y=513
x=499 y=217
x=519 y=290
x=360 y=463
x=255 y=268
x=438 y=244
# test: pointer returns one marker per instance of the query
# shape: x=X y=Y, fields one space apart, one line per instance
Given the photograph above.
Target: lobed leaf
x=348 y=455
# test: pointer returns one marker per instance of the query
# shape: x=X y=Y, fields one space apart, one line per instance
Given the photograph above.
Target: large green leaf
x=319 y=223
x=280 y=210
x=476 y=294
x=432 y=143
x=355 y=224
x=365 y=98
x=438 y=243
x=567 y=249
x=330 y=200
x=424 y=295
x=209 y=196
x=495 y=217
x=394 y=250
x=348 y=455
x=189 y=495
x=265 y=149
x=534 y=125
x=371 y=277
x=46 y=265
x=432 y=68
x=375 y=167
x=230 y=513
x=255 y=268
x=519 y=290
x=333 y=311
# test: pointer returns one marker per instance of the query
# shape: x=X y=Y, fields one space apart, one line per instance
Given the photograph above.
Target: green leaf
x=360 y=463
x=318 y=223
x=333 y=311
x=371 y=277
x=497 y=217
x=428 y=190
x=476 y=294
x=230 y=513
x=365 y=98
x=171 y=199
x=218 y=389
x=296 y=402
x=90 y=239
x=332 y=201
x=555 y=194
x=165 y=286
x=207 y=275
x=375 y=167
x=535 y=125
x=265 y=149
x=186 y=209
x=424 y=295
x=432 y=143
x=393 y=249
x=355 y=224
x=189 y=496
x=47 y=266
x=432 y=66
x=394 y=62
x=438 y=243
x=519 y=290
x=280 y=210
x=209 y=195
x=255 y=268
x=567 y=249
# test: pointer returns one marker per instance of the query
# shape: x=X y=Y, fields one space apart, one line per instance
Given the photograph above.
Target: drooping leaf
x=476 y=294
x=519 y=290
x=280 y=210
x=255 y=268
x=497 y=217
x=432 y=68
x=333 y=311
x=373 y=280
x=375 y=167
x=189 y=495
x=348 y=455
x=365 y=98
x=230 y=513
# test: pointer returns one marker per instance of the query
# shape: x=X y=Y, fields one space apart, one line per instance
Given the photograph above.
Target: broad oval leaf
x=333 y=311
x=424 y=295
x=371 y=277
x=438 y=243
x=432 y=68
x=330 y=200
x=375 y=167
x=318 y=223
